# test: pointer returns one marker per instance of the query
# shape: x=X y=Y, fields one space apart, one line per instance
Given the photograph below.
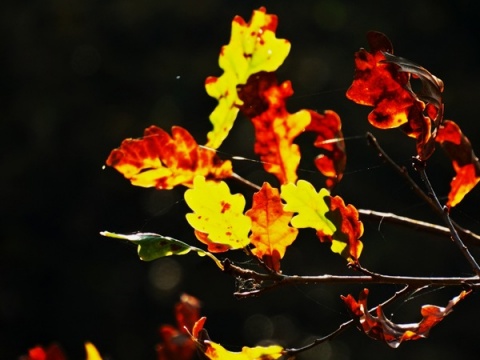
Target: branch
x=420 y=167
x=469 y=236
x=346 y=325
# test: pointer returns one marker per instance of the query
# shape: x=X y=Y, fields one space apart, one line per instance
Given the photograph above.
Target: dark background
x=77 y=77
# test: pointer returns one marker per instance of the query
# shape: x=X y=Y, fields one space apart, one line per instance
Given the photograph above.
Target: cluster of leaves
x=277 y=214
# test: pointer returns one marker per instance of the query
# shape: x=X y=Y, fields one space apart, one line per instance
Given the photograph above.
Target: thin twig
x=420 y=167
x=346 y=325
x=469 y=236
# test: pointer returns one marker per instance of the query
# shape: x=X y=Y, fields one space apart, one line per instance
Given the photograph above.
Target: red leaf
x=380 y=328
x=464 y=161
x=52 y=352
x=158 y=160
x=330 y=139
x=382 y=80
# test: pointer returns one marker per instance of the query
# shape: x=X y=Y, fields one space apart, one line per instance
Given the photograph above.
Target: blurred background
x=77 y=77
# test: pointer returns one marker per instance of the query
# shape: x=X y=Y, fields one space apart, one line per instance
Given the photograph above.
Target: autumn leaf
x=216 y=351
x=380 y=328
x=275 y=128
x=382 y=80
x=52 y=352
x=253 y=47
x=153 y=246
x=271 y=233
x=92 y=352
x=217 y=216
x=176 y=341
x=158 y=160
x=332 y=162
x=329 y=216
x=464 y=161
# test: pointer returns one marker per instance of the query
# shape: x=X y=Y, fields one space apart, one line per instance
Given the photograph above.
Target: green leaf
x=153 y=246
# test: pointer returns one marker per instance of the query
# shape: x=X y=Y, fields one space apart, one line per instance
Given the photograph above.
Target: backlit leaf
x=216 y=351
x=380 y=328
x=334 y=221
x=331 y=163
x=382 y=80
x=271 y=233
x=153 y=246
x=158 y=160
x=275 y=128
x=464 y=161
x=253 y=47
x=92 y=352
x=51 y=352
x=176 y=343
x=217 y=216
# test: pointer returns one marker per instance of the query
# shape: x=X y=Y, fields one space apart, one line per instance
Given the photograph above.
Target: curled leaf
x=216 y=351
x=382 y=80
x=380 y=328
x=158 y=160
x=464 y=161
x=253 y=47
x=217 y=216
x=153 y=246
x=271 y=233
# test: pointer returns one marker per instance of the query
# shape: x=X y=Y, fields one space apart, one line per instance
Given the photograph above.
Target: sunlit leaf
x=328 y=128
x=153 y=246
x=216 y=351
x=158 y=160
x=176 y=343
x=217 y=216
x=464 y=161
x=92 y=352
x=380 y=328
x=51 y=352
x=275 y=127
x=271 y=233
x=382 y=80
x=334 y=221
x=253 y=47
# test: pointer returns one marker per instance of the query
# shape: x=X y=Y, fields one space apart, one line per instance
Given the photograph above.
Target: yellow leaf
x=216 y=351
x=310 y=206
x=253 y=48
x=92 y=352
x=217 y=215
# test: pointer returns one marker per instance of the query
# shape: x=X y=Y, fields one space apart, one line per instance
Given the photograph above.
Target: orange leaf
x=346 y=238
x=382 y=80
x=465 y=163
x=158 y=160
x=329 y=138
x=275 y=128
x=271 y=233
x=380 y=328
x=176 y=342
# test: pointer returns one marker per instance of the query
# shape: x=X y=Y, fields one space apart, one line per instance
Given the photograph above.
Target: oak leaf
x=464 y=161
x=253 y=47
x=163 y=161
x=329 y=216
x=217 y=216
x=380 y=328
x=382 y=80
x=214 y=351
x=177 y=344
x=271 y=233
